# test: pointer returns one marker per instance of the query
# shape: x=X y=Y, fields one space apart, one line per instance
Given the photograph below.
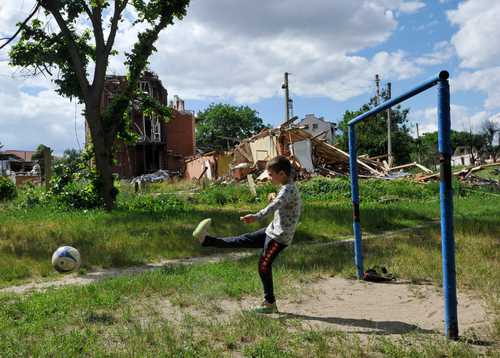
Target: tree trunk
x=103 y=161
x=103 y=151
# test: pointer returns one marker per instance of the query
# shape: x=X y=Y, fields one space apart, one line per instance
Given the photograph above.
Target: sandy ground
x=376 y=308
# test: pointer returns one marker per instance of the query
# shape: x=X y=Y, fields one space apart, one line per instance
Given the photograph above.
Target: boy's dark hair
x=280 y=163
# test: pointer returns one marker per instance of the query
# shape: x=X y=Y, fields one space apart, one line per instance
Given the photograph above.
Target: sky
x=236 y=51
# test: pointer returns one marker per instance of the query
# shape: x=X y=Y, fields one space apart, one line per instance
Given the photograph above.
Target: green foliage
x=370 y=190
x=426 y=147
x=60 y=47
x=489 y=129
x=223 y=120
x=372 y=133
x=8 y=189
x=161 y=204
x=233 y=194
x=44 y=52
x=74 y=185
x=38 y=156
x=71 y=160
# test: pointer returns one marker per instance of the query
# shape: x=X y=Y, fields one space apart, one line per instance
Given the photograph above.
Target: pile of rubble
x=156 y=177
x=310 y=155
x=467 y=175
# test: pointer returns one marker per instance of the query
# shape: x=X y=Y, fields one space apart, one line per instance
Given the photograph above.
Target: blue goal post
x=445 y=192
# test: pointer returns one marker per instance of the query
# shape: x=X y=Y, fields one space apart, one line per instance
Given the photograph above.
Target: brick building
x=161 y=145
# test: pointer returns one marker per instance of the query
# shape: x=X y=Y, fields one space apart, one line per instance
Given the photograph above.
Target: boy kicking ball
x=274 y=238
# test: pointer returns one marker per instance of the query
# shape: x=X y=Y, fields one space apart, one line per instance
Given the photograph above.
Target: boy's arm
x=280 y=200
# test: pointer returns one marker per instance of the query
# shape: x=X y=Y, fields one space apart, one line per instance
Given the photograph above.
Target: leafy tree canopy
x=221 y=125
x=372 y=133
x=72 y=43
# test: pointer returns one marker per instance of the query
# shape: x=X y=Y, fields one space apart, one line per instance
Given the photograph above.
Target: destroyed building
x=310 y=155
x=18 y=165
x=161 y=145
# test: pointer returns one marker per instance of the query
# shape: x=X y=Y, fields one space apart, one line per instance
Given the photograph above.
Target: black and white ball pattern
x=66 y=259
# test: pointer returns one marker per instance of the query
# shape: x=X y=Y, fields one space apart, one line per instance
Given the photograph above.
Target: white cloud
x=485 y=80
x=441 y=53
x=42 y=117
x=228 y=49
x=411 y=6
x=479 y=30
x=239 y=50
x=475 y=43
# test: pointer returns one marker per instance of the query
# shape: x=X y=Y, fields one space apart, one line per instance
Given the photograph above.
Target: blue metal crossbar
x=445 y=193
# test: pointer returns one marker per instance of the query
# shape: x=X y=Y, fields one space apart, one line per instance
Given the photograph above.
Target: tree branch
x=102 y=54
x=101 y=59
x=119 y=8
x=53 y=7
x=21 y=26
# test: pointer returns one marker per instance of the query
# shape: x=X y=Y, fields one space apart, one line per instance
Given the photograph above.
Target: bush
x=8 y=189
x=75 y=184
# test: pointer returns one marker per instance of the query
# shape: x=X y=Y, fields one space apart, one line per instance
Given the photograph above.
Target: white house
x=317 y=125
x=464 y=156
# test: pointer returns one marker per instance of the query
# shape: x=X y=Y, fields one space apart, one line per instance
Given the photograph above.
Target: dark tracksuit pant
x=257 y=239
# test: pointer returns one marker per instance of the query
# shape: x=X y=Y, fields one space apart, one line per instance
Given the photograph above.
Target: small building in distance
x=161 y=145
x=464 y=156
x=19 y=166
x=317 y=125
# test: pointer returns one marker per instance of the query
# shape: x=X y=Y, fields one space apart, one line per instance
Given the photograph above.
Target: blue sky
x=235 y=51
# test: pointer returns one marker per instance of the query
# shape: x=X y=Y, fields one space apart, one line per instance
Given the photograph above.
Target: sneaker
x=201 y=230
x=266 y=308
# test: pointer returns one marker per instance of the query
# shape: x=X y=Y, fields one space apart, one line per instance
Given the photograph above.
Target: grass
x=489 y=173
x=158 y=224
x=98 y=319
x=173 y=311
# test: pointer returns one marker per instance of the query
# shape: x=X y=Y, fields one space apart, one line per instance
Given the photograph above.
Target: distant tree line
x=372 y=138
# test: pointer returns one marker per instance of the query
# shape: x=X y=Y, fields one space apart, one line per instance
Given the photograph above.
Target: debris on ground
x=156 y=177
x=466 y=175
x=310 y=156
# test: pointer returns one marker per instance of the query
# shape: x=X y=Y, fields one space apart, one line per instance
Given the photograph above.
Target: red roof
x=21 y=154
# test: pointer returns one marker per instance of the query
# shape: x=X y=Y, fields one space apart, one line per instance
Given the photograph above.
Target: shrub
x=8 y=189
x=76 y=185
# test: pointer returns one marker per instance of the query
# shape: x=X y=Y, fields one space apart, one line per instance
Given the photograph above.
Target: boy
x=273 y=239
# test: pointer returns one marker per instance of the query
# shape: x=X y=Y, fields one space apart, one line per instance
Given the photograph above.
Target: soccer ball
x=66 y=259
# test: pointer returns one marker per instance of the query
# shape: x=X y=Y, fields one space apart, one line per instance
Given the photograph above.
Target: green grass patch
x=123 y=316
x=158 y=224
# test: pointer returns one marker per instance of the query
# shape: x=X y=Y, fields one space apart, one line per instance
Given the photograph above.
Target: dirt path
x=97 y=275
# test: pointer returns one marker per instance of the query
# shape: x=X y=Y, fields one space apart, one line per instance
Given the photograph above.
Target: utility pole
x=377 y=83
x=418 y=144
x=287 y=98
x=389 y=142
x=47 y=164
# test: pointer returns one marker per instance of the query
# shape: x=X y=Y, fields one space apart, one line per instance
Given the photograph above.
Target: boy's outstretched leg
x=269 y=253
x=251 y=240
x=201 y=230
